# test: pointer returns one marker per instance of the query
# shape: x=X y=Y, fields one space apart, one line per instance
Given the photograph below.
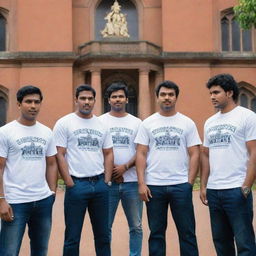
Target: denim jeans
x=38 y=216
x=132 y=205
x=179 y=197
x=231 y=219
x=91 y=195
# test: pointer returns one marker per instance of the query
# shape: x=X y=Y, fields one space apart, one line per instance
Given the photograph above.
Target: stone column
x=144 y=94
x=96 y=84
x=159 y=79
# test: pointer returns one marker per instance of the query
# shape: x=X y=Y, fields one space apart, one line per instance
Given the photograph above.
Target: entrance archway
x=130 y=79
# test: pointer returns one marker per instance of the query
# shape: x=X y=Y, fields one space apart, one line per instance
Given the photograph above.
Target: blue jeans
x=231 y=218
x=91 y=195
x=132 y=205
x=38 y=216
x=179 y=197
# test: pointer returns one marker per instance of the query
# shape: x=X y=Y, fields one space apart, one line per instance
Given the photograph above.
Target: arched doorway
x=130 y=79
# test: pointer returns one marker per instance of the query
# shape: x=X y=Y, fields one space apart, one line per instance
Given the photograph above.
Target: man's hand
x=203 y=196
x=118 y=171
x=6 y=212
x=144 y=192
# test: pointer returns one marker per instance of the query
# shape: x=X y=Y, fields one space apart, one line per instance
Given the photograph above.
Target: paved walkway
x=120 y=233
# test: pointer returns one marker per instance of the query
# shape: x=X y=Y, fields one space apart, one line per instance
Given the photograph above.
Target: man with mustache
x=167 y=162
x=123 y=128
x=85 y=159
x=28 y=177
x=228 y=169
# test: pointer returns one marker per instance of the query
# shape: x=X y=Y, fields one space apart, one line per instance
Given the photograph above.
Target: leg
x=222 y=234
x=132 y=206
x=180 y=199
x=157 y=220
x=114 y=197
x=99 y=210
x=75 y=204
x=240 y=213
x=39 y=226
x=12 y=232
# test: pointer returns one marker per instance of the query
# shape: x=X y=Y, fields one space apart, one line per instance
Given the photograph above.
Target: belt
x=92 y=178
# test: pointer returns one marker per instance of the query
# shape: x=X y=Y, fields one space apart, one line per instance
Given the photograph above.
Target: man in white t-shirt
x=85 y=158
x=167 y=164
x=123 y=128
x=228 y=169
x=28 y=177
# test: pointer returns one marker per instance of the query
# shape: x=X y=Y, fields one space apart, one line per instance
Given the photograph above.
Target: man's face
x=219 y=97
x=85 y=102
x=166 y=99
x=118 y=101
x=30 y=106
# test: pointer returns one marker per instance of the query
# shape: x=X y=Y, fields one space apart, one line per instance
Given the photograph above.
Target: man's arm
x=108 y=163
x=204 y=174
x=251 y=167
x=141 y=164
x=194 y=156
x=51 y=172
x=63 y=166
x=5 y=209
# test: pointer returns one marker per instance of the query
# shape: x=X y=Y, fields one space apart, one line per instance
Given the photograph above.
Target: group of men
x=117 y=157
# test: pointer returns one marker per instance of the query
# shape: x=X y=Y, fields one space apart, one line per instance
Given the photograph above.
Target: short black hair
x=168 y=84
x=116 y=86
x=85 y=87
x=226 y=82
x=28 y=90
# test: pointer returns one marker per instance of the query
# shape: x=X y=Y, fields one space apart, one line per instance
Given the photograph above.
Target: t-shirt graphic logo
x=166 y=140
x=220 y=139
x=88 y=143
x=121 y=136
x=220 y=136
x=120 y=141
x=32 y=152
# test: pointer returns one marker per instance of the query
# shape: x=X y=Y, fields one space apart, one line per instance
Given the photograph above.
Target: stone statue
x=116 y=25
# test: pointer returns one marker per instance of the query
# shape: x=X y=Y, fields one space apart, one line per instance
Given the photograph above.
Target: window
x=247 y=97
x=233 y=38
x=3 y=111
x=2 y=33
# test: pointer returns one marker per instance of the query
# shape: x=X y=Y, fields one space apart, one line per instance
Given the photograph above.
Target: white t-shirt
x=168 y=139
x=84 y=140
x=123 y=131
x=226 y=135
x=25 y=149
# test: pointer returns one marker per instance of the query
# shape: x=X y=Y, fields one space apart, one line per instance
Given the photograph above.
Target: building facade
x=59 y=44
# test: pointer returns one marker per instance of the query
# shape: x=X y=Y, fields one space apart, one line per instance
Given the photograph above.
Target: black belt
x=92 y=178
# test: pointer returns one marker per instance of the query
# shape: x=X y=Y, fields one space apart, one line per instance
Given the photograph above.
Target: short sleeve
x=3 y=145
x=51 y=149
x=250 y=127
x=192 y=135
x=142 y=135
x=107 y=141
x=60 y=135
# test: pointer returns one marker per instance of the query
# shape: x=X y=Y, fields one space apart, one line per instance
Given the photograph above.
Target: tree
x=245 y=13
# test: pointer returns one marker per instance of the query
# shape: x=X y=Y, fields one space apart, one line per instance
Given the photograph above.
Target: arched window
x=244 y=100
x=233 y=38
x=2 y=33
x=127 y=8
x=247 y=97
x=3 y=109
